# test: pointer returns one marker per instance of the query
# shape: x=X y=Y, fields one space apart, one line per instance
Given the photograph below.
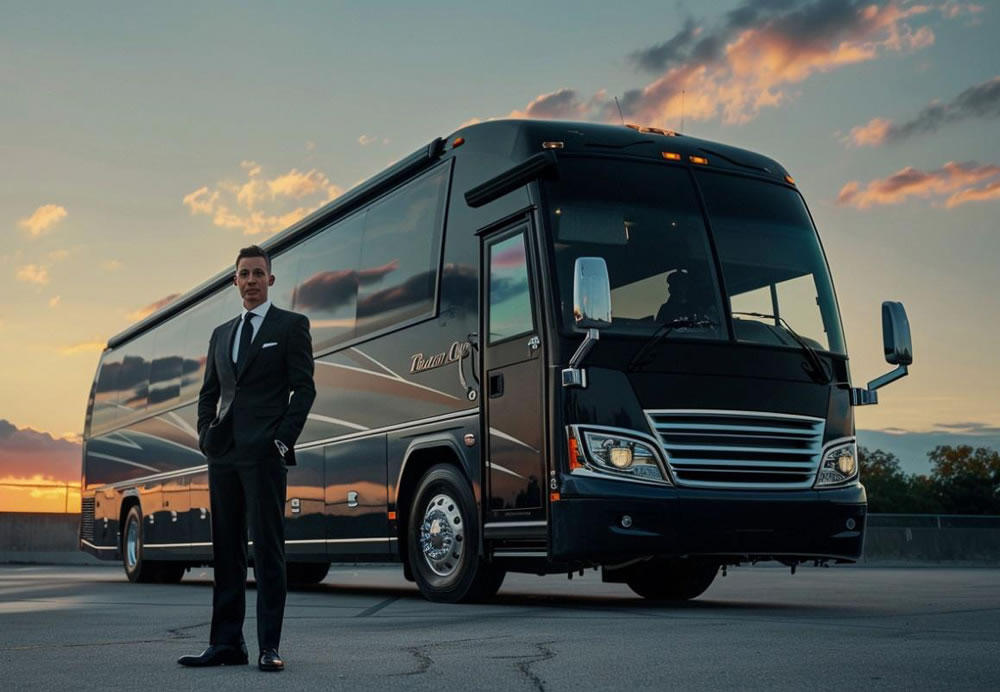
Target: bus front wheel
x=443 y=540
x=672 y=580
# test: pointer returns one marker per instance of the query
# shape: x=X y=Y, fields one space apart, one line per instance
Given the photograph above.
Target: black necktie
x=246 y=336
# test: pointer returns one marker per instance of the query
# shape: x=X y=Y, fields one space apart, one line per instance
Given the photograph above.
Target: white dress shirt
x=259 y=313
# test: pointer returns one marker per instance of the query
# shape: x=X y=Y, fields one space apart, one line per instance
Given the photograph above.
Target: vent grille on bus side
x=739 y=449
x=87 y=518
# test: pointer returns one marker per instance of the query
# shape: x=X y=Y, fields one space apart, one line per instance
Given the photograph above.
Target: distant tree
x=967 y=480
x=884 y=480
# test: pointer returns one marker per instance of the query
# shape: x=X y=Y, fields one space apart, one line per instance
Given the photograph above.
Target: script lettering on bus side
x=457 y=350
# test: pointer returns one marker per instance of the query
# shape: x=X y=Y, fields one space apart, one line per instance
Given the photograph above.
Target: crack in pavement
x=173 y=634
x=424 y=659
x=525 y=665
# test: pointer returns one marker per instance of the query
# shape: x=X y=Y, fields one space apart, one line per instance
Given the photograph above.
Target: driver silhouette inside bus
x=689 y=298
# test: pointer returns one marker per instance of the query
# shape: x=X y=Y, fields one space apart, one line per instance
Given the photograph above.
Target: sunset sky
x=144 y=143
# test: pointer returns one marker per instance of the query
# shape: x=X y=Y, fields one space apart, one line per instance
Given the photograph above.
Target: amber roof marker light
x=670 y=155
x=553 y=145
x=457 y=142
x=789 y=179
x=700 y=160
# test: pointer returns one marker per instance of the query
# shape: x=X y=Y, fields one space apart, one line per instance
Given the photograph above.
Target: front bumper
x=586 y=523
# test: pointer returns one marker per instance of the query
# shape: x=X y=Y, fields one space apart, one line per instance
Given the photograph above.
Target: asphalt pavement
x=85 y=627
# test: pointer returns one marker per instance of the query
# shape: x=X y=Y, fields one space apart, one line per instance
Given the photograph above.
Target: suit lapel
x=267 y=329
x=227 y=354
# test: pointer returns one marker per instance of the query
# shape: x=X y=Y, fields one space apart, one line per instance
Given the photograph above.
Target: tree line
x=963 y=480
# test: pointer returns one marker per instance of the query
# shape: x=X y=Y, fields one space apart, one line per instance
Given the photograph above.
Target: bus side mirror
x=898 y=351
x=591 y=311
x=896 y=334
x=591 y=293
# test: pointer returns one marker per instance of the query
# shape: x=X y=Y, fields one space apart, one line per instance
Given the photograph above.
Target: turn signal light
x=574 y=455
x=392 y=516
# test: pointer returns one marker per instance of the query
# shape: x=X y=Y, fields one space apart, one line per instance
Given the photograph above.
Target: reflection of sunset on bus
x=883 y=113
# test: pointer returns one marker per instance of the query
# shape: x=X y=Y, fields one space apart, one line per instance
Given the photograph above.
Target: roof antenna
x=682 y=109
x=619 y=110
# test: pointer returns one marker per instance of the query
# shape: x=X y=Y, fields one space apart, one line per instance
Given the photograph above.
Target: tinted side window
x=326 y=288
x=165 y=372
x=106 y=393
x=510 y=293
x=400 y=253
x=201 y=320
x=133 y=378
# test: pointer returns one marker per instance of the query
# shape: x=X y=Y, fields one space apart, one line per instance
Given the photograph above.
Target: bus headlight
x=840 y=465
x=622 y=455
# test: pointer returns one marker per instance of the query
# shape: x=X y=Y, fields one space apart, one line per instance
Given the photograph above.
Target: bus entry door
x=512 y=386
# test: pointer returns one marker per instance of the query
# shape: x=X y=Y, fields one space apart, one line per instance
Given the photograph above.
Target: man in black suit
x=257 y=393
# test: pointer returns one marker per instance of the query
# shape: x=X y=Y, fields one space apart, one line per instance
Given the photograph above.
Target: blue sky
x=116 y=113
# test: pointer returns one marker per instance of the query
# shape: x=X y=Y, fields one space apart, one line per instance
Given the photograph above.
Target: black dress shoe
x=217 y=655
x=269 y=660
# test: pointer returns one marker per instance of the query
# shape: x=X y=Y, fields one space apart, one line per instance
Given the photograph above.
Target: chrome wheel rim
x=132 y=544
x=442 y=535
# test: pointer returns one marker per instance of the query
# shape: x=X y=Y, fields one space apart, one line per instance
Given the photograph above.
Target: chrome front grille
x=739 y=449
x=87 y=518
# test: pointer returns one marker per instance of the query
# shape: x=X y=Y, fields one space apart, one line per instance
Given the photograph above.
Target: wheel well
x=127 y=503
x=415 y=466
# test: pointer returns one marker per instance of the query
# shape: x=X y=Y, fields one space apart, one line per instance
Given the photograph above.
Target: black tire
x=302 y=573
x=137 y=570
x=450 y=570
x=672 y=580
x=167 y=572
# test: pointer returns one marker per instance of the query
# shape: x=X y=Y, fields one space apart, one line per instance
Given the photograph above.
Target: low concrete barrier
x=42 y=538
x=932 y=538
x=36 y=537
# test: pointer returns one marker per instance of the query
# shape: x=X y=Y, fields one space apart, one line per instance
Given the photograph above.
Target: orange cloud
x=980 y=101
x=144 y=312
x=978 y=194
x=43 y=218
x=952 y=178
x=871 y=134
x=245 y=205
x=750 y=59
x=33 y=274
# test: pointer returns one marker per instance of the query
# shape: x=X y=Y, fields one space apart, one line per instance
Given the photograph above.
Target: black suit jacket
x=268 y=399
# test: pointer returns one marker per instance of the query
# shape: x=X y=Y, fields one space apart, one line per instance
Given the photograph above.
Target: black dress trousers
x=242 y=489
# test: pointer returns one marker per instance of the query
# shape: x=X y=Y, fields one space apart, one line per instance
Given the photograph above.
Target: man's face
x=253 y=279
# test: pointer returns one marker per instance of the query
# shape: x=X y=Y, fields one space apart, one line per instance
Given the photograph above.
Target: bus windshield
x=772 y=263
x=645 y=221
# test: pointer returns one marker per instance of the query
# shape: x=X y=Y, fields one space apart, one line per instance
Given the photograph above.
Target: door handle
x=496 y=385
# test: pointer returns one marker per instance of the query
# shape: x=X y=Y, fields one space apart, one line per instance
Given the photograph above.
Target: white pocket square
x=269 y=344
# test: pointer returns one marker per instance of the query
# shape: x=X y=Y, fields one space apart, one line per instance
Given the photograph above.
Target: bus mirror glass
x=896 y=334
x=591 y=293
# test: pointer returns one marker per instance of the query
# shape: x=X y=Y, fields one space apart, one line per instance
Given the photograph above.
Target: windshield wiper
x=659 y=334
x=817 y=370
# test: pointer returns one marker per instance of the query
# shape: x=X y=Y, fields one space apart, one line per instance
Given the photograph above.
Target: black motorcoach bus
x=540 y=347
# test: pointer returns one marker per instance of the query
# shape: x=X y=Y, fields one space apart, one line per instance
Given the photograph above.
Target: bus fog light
x=621 y=457
x=840 y=465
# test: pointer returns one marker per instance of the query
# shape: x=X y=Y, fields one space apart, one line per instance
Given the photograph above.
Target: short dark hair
x=254 y=251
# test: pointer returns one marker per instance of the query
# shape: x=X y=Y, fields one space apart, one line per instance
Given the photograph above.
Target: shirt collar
x=259 y=311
